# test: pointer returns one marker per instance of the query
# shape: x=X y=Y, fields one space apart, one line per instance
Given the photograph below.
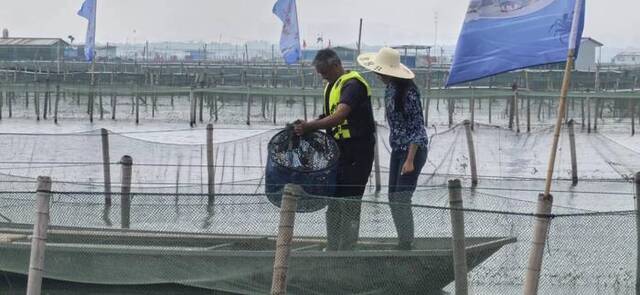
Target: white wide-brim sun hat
x=385 y=62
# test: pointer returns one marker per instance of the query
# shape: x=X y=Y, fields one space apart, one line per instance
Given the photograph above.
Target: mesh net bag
x=309 y=161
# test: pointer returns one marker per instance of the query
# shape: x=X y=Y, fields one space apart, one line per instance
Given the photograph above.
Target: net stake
x=38 y=242
x=285 y=234
x=458 y=241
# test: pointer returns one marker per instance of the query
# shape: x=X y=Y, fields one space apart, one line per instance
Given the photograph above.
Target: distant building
x=31 y=48
x=586 y=60
x=627 y=58
x=108 y=52
x=346 y=54
x=415 y=56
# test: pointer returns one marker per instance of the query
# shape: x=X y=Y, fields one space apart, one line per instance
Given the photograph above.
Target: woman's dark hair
x=402 y=87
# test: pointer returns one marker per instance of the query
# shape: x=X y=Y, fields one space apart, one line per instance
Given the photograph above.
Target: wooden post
x=458 y=241
x=36 y=104
x=528 y=114
x=472 y=107
x=46 y=101
x=376 y=161
x=275 y=103
x=137 y=109
x=574 y=160
x=192 y=98
x=215 y=107
x=90 y=105
x=582 y=113
x=201 y=108
x=304 y=106
x=39 y=239
x=595 y=115
x=55 y=108
x=426 y=109
x=106 y=166
x=512 y=108
x=545 y=201
x=114 y=103
x=588 y=114
x=248 y=108
x=290 y=196
x=125 y=197
x=451 y=107
x=472 y=153
x=10 y=103
x=633 y=116
x=516 y=110
x=637 y=197
x=210 y=167
x=101 y=107
x=490 y=108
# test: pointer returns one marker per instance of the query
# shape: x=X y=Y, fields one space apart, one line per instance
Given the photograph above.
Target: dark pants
x=401 y=188
x=343 y=213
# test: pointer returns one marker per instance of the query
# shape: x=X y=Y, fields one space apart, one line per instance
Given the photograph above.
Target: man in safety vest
x=348 y=117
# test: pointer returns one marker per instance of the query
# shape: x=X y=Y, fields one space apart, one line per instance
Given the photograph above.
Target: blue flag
x=290 y=38
x=88 y=11
x=504 y=35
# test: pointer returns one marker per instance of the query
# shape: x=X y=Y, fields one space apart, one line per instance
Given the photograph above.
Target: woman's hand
x=407 y=167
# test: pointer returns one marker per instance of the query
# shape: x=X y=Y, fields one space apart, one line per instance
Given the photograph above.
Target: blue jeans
x=401 y=188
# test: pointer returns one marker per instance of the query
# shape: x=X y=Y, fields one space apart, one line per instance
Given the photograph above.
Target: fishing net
x=309 y=160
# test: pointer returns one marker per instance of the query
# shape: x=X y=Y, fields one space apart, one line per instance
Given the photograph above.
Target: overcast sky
x=613 y=22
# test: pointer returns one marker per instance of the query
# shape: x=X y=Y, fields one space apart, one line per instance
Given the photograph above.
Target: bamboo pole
x=46 y=101
x=201 y=108
x=582 y=113
x=248 y=108
x=472 y=153
x=192 y=119
x=285 y=235
x=545 y=201
x=36 y=104
x=304 y=106
x=101 y=107
x=114 y=103
x=10 y=102
x=637 y=197
x=574 y=160
x=516 y=110
x=137 y=104
x=125 y=197
x=106 y=166
x=595 y=115
x=376 y=162
x=588 y=114
x=210 y=167
x=39 y=239
x=528 y=113
x=633 y=117
x=55 y=109
x=472 y=107
x=458 y=241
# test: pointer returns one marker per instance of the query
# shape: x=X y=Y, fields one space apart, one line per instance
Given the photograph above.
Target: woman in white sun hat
x=407 y=136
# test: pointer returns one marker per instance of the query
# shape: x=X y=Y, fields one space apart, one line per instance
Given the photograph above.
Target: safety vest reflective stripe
x=342 y=131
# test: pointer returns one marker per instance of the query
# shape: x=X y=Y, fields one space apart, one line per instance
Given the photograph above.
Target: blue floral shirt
x=408 y=127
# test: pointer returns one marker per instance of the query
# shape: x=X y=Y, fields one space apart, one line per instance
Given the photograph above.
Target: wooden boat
x=237 y=263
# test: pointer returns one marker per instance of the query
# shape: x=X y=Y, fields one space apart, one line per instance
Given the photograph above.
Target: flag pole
x=545 y=200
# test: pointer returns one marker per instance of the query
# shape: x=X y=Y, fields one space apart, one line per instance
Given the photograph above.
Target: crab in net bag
x=309 y=161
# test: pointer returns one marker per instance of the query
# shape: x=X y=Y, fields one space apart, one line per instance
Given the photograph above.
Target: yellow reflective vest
x=342 y=131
